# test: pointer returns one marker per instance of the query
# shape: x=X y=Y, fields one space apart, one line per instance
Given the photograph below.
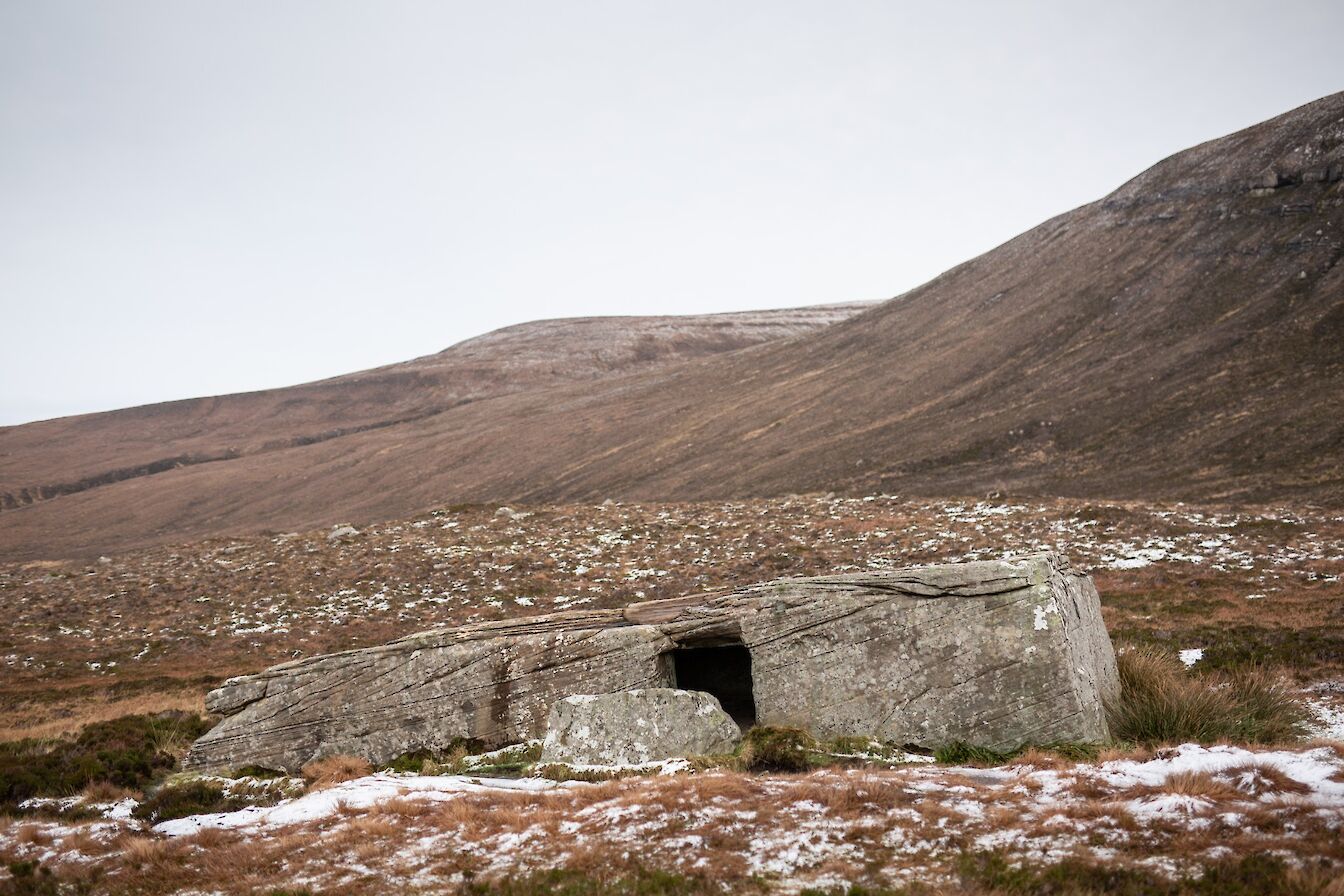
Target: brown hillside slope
x=48 y=459
x=1180 y=338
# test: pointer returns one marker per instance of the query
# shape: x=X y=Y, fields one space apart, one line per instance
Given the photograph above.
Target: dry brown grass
x=105 y=792
x=1037 y=758
x=1334 y=746
x=214 y=838
x=1257 y=779
x=85 y=842
x=1089 y=787
x=1135 y=754
x=404 y=808
x=597 y=829
x=836 y=793
x=374 y=826
x=52 y=716
x=723 y=786
x=332 y=770
x=32 y=835
x=1197 y=784
x=1109 y=810
x=142 y=850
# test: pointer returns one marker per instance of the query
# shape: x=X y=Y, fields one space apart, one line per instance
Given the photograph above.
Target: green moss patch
x=199 y=796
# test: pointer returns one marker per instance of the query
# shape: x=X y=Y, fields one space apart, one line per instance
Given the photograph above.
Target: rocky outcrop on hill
x=997 y=653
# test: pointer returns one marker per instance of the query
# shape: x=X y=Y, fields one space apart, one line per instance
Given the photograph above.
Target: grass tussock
x=1162 y=702
x=777 y=749
x=332 y=770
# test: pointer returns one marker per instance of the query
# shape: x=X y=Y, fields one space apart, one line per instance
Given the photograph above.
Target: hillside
x=54 y=458
x=1181 y=338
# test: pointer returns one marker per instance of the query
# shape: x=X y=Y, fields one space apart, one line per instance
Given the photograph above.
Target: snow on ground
x=358 y=794
x=1170 y=811
x=273 y=598
x=1328 y=705
x=1318 y=768
x=61 y=805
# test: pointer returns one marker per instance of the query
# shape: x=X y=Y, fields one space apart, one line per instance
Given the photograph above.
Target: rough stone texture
x=638 y=726
x=996 y=653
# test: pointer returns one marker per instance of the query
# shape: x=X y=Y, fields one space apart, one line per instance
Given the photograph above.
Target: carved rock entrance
x=724 y=672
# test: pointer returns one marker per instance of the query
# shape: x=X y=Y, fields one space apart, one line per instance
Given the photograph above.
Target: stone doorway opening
x=724 y=672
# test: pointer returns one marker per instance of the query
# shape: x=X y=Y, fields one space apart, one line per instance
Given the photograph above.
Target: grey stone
x=994 y=653
x=635 y=727
x=340 y=532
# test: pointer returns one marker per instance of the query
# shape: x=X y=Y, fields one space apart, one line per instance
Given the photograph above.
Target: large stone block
x=636 y=727
x=996 y=653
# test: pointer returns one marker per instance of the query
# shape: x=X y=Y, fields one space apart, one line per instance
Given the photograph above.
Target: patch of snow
x=1315 y=768
x=1192 y=656
x=117 y=809
x=357 y=794
x=1173 y=806
x=1329 y=719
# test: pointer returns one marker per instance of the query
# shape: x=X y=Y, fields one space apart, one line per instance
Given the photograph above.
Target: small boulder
x=635 y=727
x=340 y=532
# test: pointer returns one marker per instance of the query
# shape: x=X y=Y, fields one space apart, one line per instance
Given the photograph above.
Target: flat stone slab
x=637 y=727
x=996 y=653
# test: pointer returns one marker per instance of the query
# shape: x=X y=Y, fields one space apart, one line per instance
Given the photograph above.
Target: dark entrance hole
x=724 y=672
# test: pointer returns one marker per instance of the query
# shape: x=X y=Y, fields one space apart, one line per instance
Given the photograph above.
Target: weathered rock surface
x=996 y=653
x=639 y=726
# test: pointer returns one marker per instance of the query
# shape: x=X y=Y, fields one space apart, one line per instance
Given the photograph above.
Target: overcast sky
x=206 y=198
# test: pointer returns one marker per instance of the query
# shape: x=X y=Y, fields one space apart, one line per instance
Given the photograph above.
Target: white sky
x=199 y=198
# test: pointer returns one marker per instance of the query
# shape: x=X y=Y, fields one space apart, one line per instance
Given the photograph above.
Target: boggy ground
x=155 y=629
